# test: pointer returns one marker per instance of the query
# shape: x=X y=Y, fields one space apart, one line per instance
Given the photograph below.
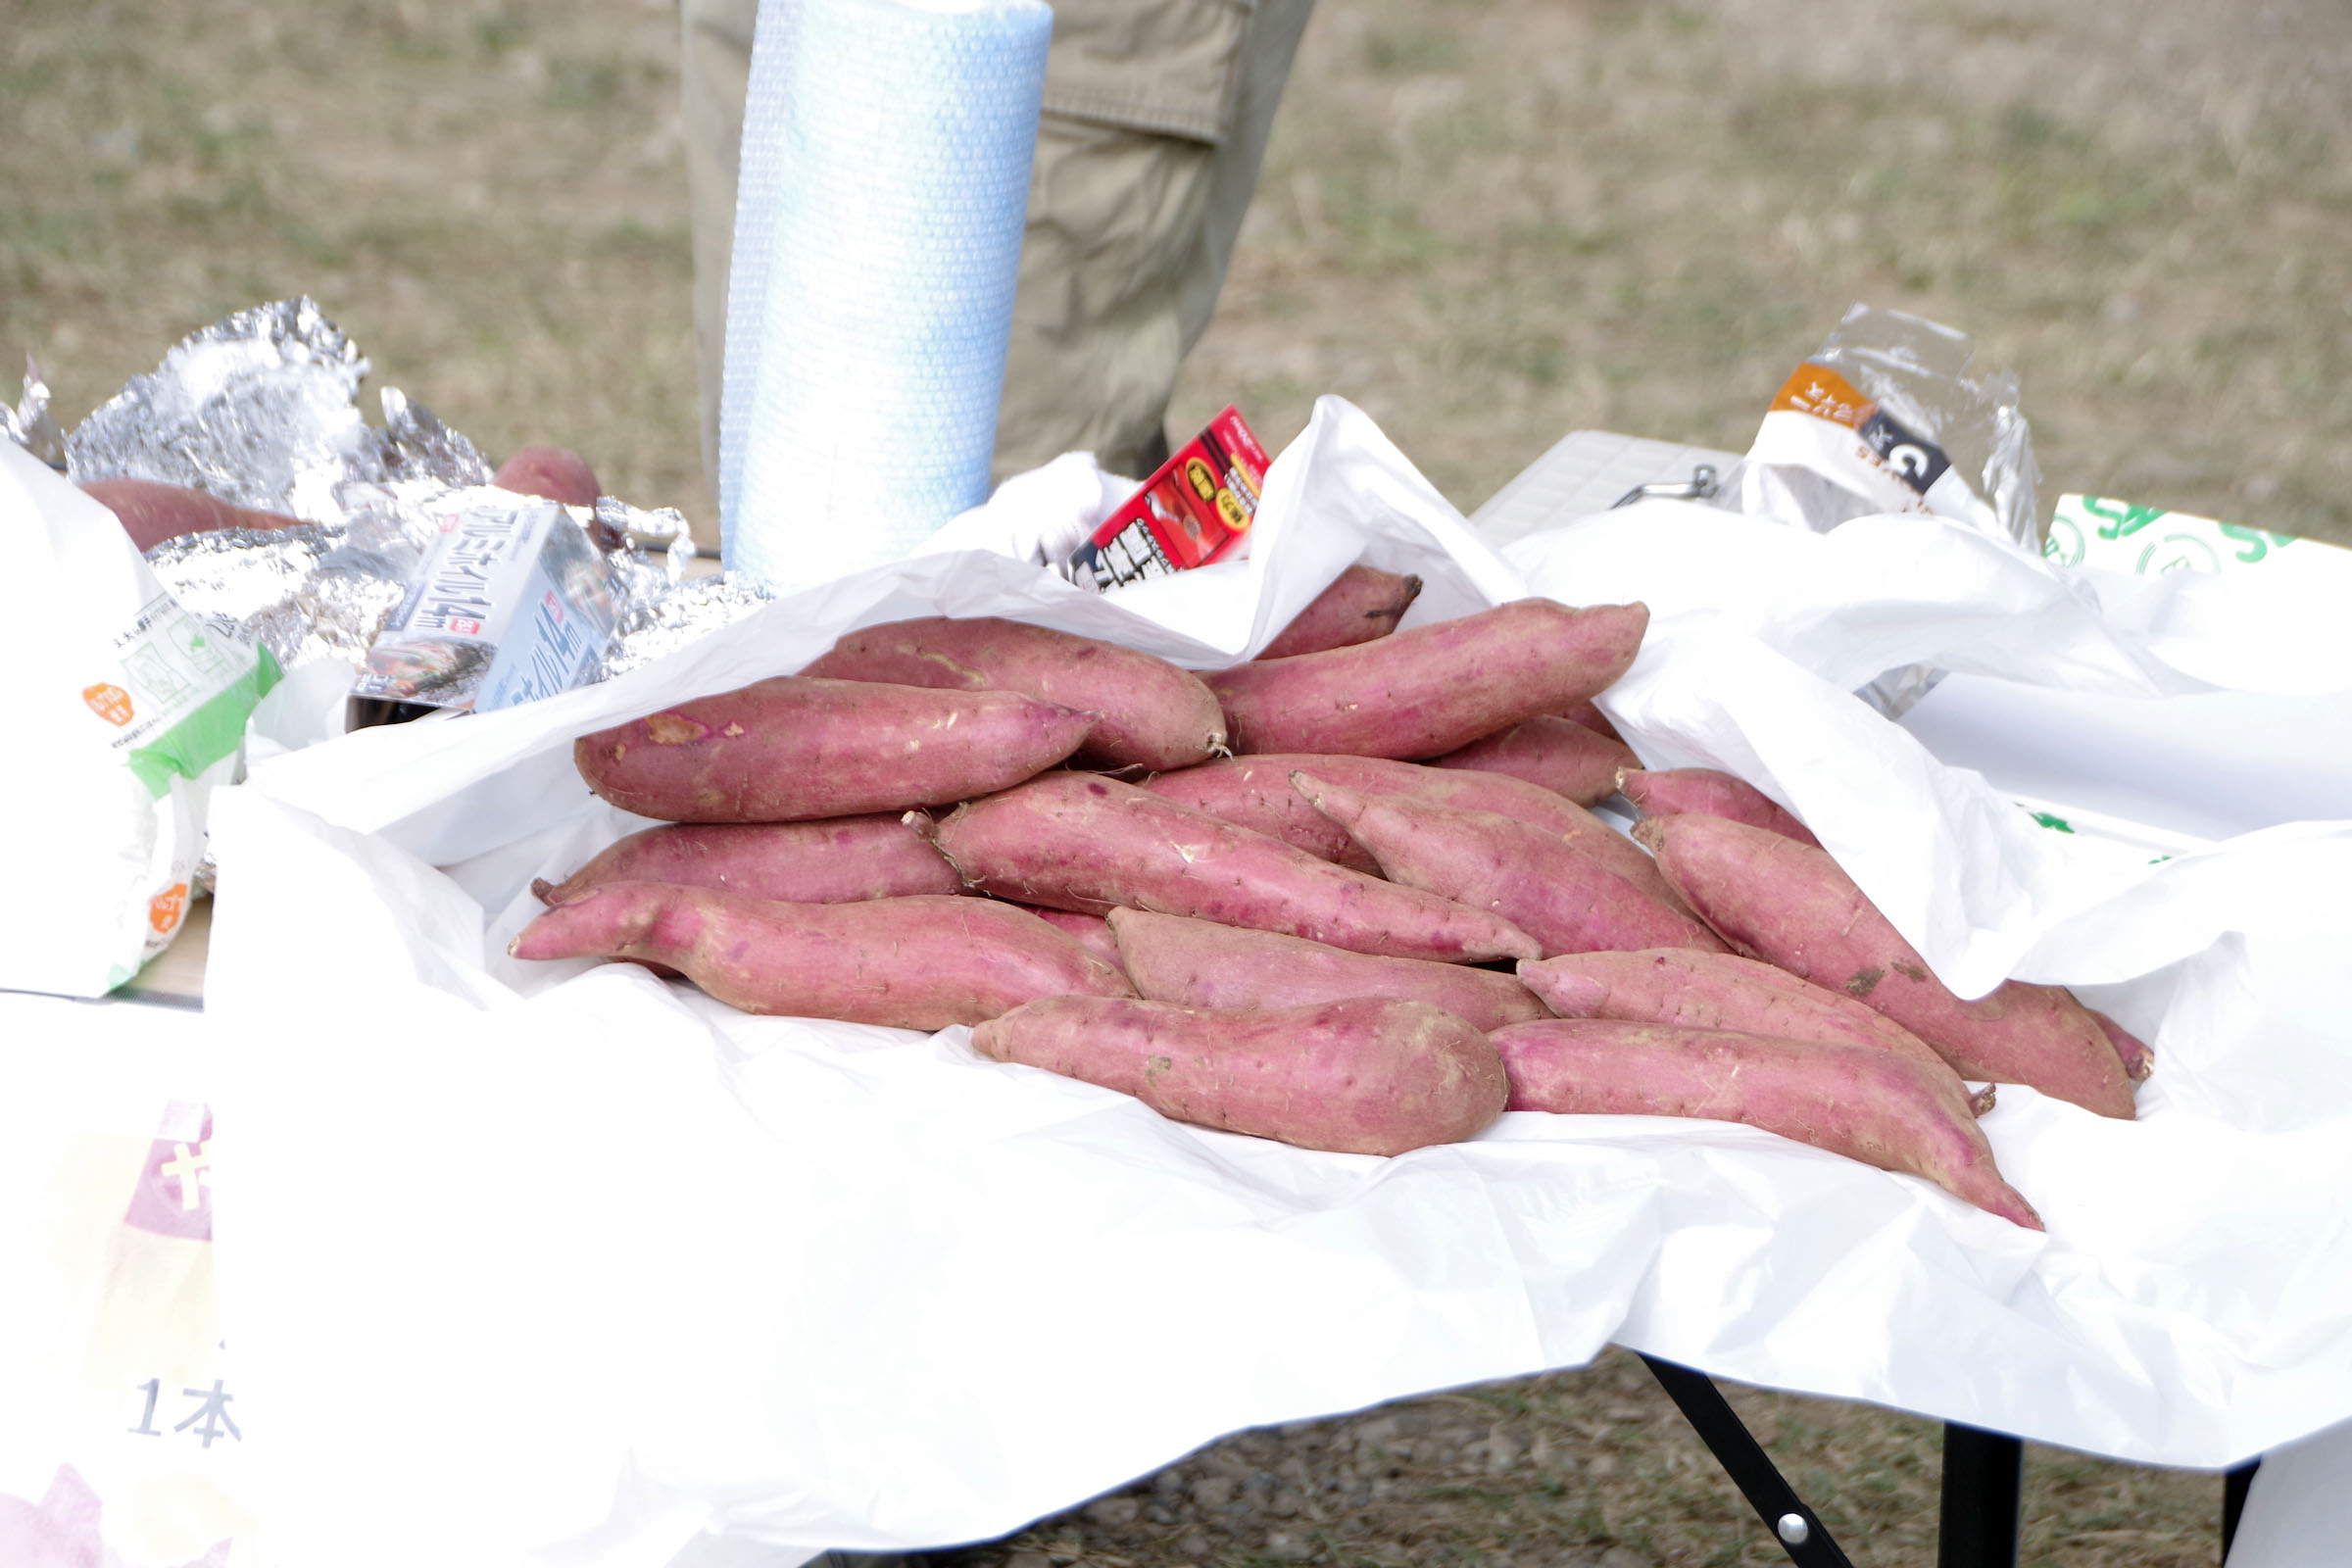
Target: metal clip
x=1700 y=486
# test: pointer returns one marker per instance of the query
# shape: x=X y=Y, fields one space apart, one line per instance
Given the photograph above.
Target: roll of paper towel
x=879 y=216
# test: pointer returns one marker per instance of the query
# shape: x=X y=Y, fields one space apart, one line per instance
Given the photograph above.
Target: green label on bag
x=2117 y=536
x=215 y=729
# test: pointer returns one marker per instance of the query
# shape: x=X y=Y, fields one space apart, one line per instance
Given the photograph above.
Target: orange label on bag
x=166 y=907
x=1822 y=392
x=109 y=702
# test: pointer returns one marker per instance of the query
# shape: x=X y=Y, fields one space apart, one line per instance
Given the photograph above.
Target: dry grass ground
x=1488 y=221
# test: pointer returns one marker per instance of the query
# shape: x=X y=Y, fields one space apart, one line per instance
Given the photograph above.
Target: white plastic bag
x=628 y=1255
x=123 y=712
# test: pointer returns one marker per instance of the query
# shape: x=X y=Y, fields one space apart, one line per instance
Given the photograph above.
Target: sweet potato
x=1152 y=714
x=839 y=859
x=557 y=472
x=1692 y=990
x=1367 y=1076
x=1070 y=841
x=1254 y=792
x=1562 y=757
x=1090 y=931
x=792 y=749
x=1866 y=1102
x=915 y=963
x=2138 y=1060
x=1568 y=902
x=1202 y=965
x=1361 y=604
x=152 y=513
x=1588 y=713
x=1707 y=792
x=1791 y=904
x=1251 y=791
x=1433 y=688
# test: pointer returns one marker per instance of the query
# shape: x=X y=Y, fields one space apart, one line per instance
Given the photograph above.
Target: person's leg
x=1157 y=113
x=1156 y=118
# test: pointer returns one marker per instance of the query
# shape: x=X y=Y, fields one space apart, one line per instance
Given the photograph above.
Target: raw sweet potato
x=839 y=859
x=915 y=964
x=1561 y=756
x=2138 y=1060
x=1872 y=1105
x=1707 y=792
x=1202 y=965
x=1588 y=713
x=1072 y=840
x=1361 y=604
x=1368 y=1076
x=792 y=749
x=557 y=472
x=1791 y=904
x=1693 y=990
x=1152 y=714
x=1090 y=931
x=1254 y=792
x=1251 y=791
x=1433 y=688
x=152 y=513
x=1568 y=902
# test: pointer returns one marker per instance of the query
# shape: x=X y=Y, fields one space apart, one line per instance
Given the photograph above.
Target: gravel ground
x=1591 y=1468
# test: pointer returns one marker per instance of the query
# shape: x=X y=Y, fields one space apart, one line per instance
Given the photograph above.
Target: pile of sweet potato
x=1350 y=897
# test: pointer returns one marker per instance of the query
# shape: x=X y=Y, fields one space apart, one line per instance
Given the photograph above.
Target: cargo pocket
x=1171 y=66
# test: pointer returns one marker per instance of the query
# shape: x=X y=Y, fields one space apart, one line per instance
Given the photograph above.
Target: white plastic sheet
x=625 y=1255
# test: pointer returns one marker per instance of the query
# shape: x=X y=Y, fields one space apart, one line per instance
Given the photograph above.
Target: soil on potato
x=1486 y=221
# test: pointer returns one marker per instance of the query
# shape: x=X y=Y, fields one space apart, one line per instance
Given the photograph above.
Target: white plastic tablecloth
x=617 y=1263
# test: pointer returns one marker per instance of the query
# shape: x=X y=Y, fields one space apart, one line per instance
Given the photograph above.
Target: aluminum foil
x=260 y=409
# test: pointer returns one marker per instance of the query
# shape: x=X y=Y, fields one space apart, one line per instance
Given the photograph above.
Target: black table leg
x=2236 y=1484
x=1751 y=1470
x=1984 y=1487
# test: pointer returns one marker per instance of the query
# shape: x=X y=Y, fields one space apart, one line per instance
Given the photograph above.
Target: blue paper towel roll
x=884 y=180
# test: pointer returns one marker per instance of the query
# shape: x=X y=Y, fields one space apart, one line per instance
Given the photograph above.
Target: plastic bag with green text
x=123 y=711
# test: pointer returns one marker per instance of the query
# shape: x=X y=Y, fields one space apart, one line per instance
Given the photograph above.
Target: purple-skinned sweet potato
x=1254 y=792
x=1073 y=841
x=1588 y=713
x=1202 y=965
x=1362 y=603
x=792 y=749
x=1708 y=792
x=837 y=859
x=1791 y=904
x=1568 y=902
x=1090 y=931
x=1692 y=990
x=2138 y=1060
x=1868 y=1104
x=920 y=963
x=1431 y=689
x=1367 y=1076
x=1152 y=715
x=1558 y=753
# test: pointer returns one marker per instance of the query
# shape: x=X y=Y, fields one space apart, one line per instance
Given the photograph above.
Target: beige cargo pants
x=1155 y=120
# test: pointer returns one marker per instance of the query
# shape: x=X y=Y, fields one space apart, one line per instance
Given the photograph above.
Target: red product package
x=1195 y=508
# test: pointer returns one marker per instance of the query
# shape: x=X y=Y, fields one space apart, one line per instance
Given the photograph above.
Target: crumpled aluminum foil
x=260 y=410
